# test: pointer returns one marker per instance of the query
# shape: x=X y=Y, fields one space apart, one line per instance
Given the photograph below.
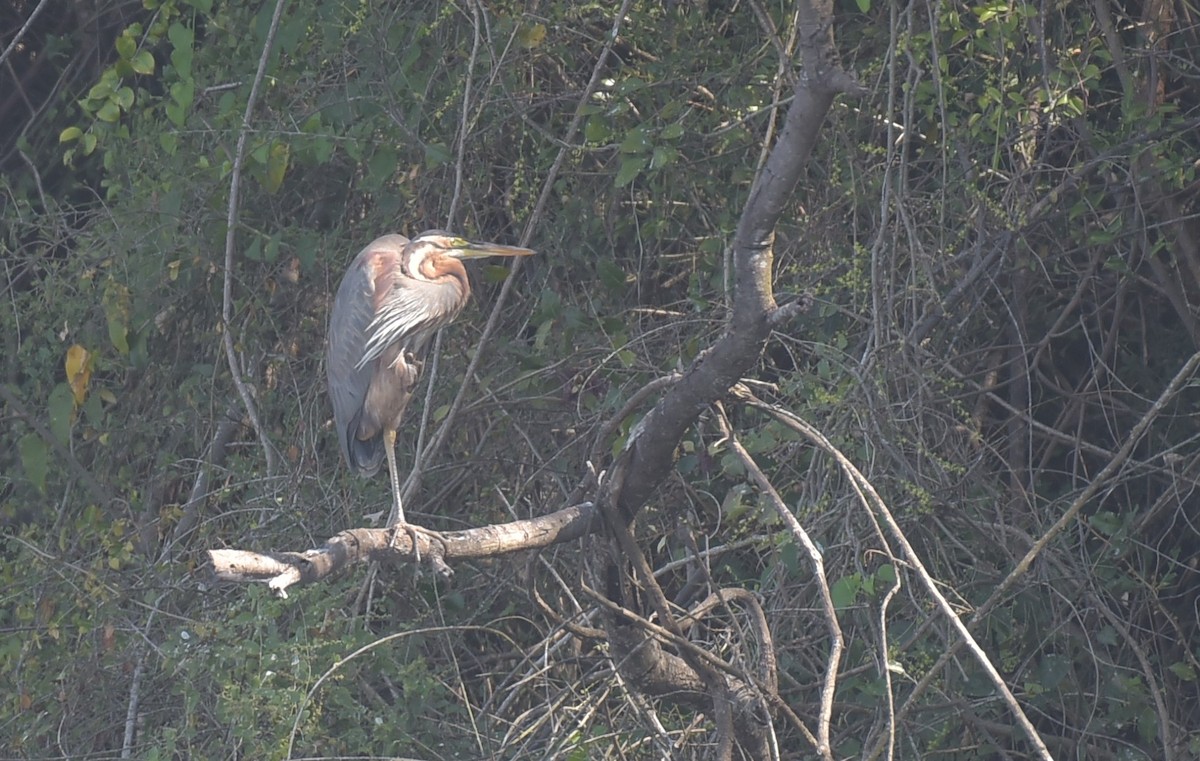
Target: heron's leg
x=397 y=517
x=389 y=443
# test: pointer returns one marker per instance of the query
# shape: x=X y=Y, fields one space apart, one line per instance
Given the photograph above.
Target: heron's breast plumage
x=410 y=312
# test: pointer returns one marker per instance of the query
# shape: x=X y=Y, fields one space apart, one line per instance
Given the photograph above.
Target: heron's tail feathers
x=366 y=456
x=363 y=455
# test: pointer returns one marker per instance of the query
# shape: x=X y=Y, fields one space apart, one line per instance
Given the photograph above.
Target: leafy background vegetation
x=1002 y=244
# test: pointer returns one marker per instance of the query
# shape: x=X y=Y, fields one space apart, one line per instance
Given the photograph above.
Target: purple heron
x=395 y=296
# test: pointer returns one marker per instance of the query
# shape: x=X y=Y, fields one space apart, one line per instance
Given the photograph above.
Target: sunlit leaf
x=109 y=112
x=125 y=97
x=142 y=62
x=126 y=46
x=69 y=134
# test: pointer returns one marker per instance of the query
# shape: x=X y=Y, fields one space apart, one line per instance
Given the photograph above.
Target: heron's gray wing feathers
x=353 y=310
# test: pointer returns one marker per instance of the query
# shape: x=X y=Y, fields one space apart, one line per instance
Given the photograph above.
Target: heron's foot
x=437 y=544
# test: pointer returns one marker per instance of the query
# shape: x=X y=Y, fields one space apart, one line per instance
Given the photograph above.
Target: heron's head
x=443 y=243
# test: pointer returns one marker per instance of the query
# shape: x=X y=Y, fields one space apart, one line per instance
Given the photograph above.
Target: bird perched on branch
x=395 y=296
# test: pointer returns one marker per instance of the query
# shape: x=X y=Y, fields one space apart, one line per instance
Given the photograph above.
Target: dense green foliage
x=1003 y=247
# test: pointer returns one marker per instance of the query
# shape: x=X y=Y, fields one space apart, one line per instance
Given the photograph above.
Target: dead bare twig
x=231 y=221
x=875 y=504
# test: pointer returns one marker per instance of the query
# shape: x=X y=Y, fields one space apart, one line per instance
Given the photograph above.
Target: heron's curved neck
x=442 y=270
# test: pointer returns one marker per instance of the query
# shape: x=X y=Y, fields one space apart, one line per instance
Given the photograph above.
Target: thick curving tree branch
x=647 y=458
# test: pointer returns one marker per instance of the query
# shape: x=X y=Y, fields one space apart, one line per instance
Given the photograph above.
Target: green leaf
x=596 y=130
x=611 y=275
x=436 y=154
x=663 y=156
x=495 y=273
x=181 y=37
x=69 y=134
x=381 y=167
x=100 y=91
x=176 y=113
x=143 y=62
x=125 y=97
x=126 y=46
x=322 y=150
x=863 y=5
x=62 y=410
x=89 y=143
x=886 y=574
x=109 y=112
x=844 y=590
x=35 y=458
x=1183 y=670
x=672 y=131
x=635 y=142
x=631 y=167
x=184 y=93
x=116 y=310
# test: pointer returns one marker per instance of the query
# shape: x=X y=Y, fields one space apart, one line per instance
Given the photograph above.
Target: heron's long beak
x=471 y=250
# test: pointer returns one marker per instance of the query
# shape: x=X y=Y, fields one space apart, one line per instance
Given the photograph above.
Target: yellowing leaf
x=116 y=309
x=79 y=371
x=531 y=36
x=277 y=165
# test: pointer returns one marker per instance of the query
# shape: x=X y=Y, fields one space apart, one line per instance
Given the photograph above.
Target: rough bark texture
x=649 y=455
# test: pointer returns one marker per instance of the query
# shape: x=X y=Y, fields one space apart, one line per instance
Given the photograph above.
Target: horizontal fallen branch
x=281 y=570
